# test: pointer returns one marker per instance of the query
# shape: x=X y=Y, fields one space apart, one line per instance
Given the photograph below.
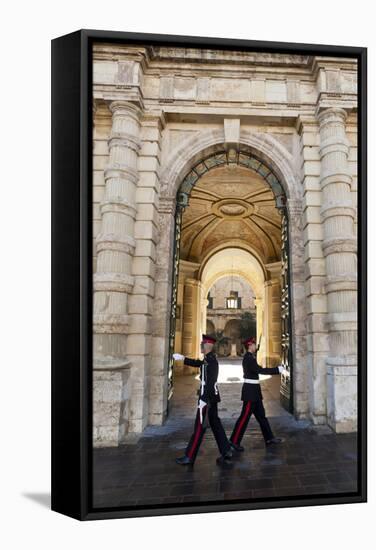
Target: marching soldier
x=252 y=398
x=207 y=407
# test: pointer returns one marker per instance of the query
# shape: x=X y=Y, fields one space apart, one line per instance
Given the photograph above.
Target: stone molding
x=181 y=159
x=113 y=282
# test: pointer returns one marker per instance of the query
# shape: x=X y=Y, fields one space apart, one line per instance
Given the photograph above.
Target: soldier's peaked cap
x=249 y=341
x=207 y=338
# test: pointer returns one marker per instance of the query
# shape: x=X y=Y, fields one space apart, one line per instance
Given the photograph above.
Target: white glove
x=282 y=370
x=178 y=356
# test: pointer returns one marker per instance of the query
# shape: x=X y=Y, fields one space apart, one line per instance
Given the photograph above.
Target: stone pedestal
x=110 y=402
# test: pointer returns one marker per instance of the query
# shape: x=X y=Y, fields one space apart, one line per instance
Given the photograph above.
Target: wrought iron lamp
x=232 y=300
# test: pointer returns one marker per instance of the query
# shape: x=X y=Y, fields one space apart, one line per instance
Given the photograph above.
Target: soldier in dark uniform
x=252 y=398
x=207 y=407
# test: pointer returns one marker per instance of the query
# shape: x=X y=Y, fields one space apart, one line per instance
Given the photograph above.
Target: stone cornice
x=174 y=63
x=215 y=56
x=323 y=62
x=177 y=55
x=121 y=52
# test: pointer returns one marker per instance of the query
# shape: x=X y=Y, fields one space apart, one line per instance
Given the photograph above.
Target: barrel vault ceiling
x=231 y=203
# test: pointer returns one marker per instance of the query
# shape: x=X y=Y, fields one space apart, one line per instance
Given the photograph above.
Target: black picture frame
x=72 y=273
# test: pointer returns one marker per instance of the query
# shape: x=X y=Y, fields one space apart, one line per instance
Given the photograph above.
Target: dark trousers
x=209 y=413
x=249 y=408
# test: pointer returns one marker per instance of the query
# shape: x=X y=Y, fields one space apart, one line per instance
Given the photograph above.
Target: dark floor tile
x=308 y=462
x=286 y=482
x=264 y=493
x=337 y=477
x=314 y=479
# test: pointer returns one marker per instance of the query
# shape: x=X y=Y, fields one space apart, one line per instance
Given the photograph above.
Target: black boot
x=236 y=447
x=228 y=454
x=225 y=459
x=274 y=441
x=184 y=460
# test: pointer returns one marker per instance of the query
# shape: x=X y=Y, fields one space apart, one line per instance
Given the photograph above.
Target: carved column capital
x=123 y=107
x=330 y=115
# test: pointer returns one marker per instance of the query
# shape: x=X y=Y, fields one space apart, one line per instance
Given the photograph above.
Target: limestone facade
x=286 y=125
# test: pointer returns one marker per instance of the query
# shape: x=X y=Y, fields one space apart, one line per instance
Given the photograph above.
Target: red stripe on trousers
x=195 y=441
x=241 y=423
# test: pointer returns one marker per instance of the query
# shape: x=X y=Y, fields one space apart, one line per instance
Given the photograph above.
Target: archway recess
x=230 y=197
x=273 y=161
x=236 y=262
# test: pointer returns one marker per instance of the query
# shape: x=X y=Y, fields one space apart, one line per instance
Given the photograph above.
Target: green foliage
x=247 y=325
x=220 y=337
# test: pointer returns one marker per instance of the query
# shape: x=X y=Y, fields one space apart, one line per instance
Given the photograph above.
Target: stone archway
x=194 y=150
x=248 y=267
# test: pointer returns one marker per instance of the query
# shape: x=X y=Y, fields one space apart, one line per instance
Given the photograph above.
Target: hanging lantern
x=232 y=300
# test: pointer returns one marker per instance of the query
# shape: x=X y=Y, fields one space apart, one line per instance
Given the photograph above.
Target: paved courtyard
x=311 y=461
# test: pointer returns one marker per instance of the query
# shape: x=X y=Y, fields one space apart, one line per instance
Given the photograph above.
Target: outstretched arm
x=187 y=360
x=257 y=369
x=270 y=370
x=192 y=362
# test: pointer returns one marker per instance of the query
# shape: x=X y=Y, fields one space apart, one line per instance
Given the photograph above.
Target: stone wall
x=157 y=111
x=221 y=290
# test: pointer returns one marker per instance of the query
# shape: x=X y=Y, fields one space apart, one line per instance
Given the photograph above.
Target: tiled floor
x=312 y=460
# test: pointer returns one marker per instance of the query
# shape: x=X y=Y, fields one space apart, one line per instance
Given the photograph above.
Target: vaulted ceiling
x=231 y=203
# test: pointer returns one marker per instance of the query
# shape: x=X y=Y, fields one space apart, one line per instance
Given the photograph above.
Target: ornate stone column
x=113 y=281
x=339 y=248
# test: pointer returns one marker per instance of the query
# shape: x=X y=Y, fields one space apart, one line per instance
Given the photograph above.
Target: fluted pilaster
x=113 y=281
x=339 y=249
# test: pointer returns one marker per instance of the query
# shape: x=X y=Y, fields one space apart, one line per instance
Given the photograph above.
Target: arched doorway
x=260 y=212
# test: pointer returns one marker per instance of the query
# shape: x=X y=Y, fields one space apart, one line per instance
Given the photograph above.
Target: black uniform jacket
x=252 y=392
x=209 y=374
